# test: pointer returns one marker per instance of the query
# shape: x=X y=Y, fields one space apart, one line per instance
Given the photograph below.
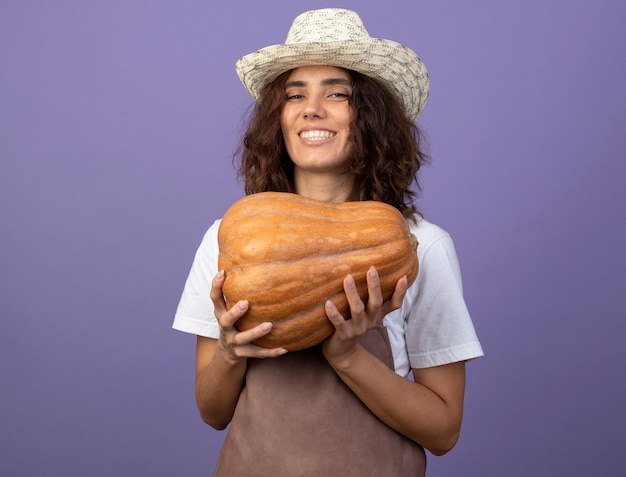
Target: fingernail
x=266 y=326
x=219 y=275
x=350 y=281
x=243 y=305
x=373 y=272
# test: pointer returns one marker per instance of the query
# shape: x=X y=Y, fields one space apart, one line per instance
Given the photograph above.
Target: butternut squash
x=287 y=254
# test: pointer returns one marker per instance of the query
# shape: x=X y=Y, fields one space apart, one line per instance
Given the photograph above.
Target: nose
x=313 y=107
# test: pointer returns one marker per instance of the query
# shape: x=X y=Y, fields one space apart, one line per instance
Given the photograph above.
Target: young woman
x=335 y=121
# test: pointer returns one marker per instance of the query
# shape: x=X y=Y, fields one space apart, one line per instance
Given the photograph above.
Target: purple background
x=118 y=120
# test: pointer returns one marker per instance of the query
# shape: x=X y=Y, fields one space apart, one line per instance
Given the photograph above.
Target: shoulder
x=209 y=240
x=429 y=235
x=427 y=230
x=211 y=233
x=438 y=262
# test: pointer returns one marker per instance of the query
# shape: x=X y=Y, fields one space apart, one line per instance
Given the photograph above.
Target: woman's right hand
x=237 y=344
x=221 y=364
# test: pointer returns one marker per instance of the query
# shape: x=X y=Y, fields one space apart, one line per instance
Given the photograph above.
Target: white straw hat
x=337 y=37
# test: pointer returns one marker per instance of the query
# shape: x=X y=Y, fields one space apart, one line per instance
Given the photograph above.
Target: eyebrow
x=325 y=82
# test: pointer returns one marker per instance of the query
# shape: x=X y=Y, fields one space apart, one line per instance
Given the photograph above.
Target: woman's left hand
x=343 y=342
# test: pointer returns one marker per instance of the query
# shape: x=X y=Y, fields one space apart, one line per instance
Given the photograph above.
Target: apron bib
x=296 y=418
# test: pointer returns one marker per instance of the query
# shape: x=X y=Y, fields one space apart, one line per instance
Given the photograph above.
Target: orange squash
x=287 y=254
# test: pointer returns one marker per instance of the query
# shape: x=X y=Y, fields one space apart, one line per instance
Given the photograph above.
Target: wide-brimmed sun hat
x=337 y=37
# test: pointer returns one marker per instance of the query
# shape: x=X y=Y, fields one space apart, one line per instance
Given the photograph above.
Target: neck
x=335 y=188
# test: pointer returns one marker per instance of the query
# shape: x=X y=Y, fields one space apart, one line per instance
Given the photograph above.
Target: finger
x=217 y=297
x=245 y=340
x=397 y=298
x=357 y=308
x=269 y=352
x=253 y=334
x=375 y=295
x=254 y=351
x=333 y=314
x=228 y=318
x=399 y=292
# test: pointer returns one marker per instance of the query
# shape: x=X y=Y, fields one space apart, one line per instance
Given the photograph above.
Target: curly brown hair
x=387 y=147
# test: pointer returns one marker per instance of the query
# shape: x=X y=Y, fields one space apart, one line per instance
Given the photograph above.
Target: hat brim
x=390 y=62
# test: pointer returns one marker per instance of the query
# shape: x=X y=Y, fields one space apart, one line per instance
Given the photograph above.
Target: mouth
x=316 y=135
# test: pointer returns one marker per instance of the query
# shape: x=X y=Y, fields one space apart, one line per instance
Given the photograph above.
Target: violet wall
x=118 y=120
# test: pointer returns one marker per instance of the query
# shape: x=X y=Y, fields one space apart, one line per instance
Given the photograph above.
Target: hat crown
x=327 y=25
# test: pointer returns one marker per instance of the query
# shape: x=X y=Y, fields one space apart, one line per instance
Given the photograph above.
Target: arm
x=218 y=383
x=221 y=363
x=429 y=410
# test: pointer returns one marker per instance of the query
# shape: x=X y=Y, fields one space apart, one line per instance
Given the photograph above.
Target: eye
x=294 y=94
x=339 y=95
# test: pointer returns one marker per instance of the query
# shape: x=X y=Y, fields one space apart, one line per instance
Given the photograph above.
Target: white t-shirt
x=431 y=328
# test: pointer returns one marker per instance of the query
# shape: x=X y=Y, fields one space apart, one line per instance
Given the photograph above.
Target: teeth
x=316 y=135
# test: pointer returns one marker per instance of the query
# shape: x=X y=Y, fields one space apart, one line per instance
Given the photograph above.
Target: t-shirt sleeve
x=439 y=329
x=195 y=309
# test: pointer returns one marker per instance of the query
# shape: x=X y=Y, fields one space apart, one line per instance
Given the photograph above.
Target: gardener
x=335 y=120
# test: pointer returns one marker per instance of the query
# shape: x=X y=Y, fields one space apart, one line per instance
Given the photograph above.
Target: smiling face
x=315 y=122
